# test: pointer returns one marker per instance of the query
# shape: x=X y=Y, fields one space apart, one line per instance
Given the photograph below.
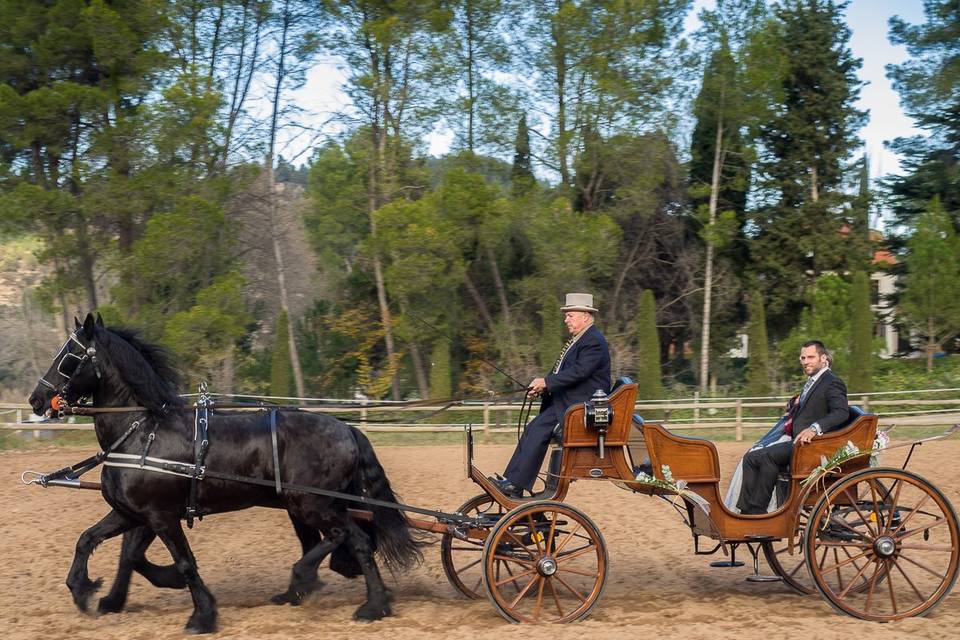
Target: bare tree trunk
x=814 y=187
x=708 y=270
x=480 y=303
x=272 y=203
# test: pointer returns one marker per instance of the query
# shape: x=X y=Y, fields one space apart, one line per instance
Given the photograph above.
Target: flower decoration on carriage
x=841 y=455
x=679 y=487
x=881 y=442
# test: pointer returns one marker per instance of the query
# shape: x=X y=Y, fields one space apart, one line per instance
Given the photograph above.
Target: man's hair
x=821 y=349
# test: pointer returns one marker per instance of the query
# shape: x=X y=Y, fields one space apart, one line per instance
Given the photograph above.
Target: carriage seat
x=690 y=458
x=557 y=437
x=859 y=428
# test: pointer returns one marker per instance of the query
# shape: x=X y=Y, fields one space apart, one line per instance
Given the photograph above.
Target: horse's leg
x=78 y=580
x=377 y=605
x=303 y=575
x=204 y=616
x=132 y=558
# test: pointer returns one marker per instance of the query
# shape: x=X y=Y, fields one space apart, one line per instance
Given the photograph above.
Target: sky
x=867 y=20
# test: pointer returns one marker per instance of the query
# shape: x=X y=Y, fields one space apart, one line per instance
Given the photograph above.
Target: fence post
x=696 y=407
x=19 y=416
x=363 y=415
x=866 y=404
x=486 y=418
x=739 y=430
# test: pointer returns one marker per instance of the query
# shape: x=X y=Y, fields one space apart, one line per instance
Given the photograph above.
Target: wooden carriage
x=877 y=543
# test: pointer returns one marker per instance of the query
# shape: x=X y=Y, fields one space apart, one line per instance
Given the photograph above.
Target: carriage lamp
x=598 y=415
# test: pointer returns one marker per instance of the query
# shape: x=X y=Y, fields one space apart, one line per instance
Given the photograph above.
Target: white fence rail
x=907 y=408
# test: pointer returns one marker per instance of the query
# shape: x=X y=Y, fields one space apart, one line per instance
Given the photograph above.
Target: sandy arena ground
x=656 y=587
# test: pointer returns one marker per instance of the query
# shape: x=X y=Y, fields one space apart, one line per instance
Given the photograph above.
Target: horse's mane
x=145 y=367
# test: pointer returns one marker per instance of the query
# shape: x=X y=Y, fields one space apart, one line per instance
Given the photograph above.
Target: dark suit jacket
x=585 y=368
x=826 y=404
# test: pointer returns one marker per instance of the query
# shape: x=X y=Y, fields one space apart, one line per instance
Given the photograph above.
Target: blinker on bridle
x=65 y=355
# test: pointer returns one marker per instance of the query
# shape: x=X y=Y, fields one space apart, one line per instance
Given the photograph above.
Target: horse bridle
x=89 y=355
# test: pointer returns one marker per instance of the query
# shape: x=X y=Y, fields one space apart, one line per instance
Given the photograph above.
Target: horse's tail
x=393 y=538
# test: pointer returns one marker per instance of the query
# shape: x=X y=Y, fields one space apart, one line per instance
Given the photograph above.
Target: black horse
x=116 y=368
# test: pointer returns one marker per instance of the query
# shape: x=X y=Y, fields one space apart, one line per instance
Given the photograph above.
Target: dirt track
x=656 y=586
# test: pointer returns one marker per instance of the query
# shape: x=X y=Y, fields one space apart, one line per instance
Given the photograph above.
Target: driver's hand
x=537 y=387
x=805 y=436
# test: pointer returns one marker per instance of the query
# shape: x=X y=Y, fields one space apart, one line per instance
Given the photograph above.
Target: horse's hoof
x=291 y=597
x=83 y=592
x=202 y=623
x=110 y=605
x=368 y=612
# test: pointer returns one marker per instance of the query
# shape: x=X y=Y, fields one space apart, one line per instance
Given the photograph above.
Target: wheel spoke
x=842 y=563
x=873 y=585
x=923 y=528
x=893 y=505
x=893 y=595
x=524 y=591
x=920 y=596
x=830 y=543
x=836 y=558
x=903 y=523
x=521 y=543
x=569 y=537
x=580 y=572
x=505 y=559
x=924 y=567
x=859 y=570
x=470 y=566
x=858 y=576
x=865 y=520
x=539 y=602
x=875 y=504
x=535 y=534
x=514 y=578
x=926 y=547
x=843 y=523
x=569 y=588
x=556 y=598
x=574 y=554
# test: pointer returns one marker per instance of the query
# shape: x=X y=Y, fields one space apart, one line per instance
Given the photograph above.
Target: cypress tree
x=649 y=383
x=861 y=343
x=758 y=364
x=440 y=377
x=521 y=174
x=281 y=371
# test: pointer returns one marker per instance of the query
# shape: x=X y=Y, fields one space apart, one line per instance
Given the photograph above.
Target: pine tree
x=521 y=175
x=281 y=372
x=861 y=343
x=806 y=143
x=931 y=288
x=929 y=86
x=758 y=364
x=649 y=376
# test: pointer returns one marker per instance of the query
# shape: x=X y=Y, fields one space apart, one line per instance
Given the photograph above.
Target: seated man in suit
x=582 y=368
x=821 y=407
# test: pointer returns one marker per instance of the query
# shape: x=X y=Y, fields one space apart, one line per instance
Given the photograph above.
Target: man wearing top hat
x=582 y=367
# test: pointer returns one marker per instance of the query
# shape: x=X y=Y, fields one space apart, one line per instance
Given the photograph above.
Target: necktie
x=806 y=389
x=556 y=365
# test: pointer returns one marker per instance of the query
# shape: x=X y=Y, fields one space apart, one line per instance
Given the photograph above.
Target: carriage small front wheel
x=462 y=560
x=544 y=561
x=882 y=544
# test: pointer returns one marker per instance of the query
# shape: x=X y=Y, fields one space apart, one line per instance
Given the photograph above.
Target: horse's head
x=75 y=370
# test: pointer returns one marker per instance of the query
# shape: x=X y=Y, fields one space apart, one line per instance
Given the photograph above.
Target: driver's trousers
x=528 y=456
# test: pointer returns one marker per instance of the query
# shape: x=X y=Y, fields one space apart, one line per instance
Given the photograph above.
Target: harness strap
x=276 y=451
x=200 y=445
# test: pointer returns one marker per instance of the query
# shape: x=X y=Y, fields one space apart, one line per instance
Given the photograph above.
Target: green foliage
x=281 y=373
x=861 y=330
x=649 y=377
x=827 y=319
x=441 y=375
x=758 y=365
x=931 y=288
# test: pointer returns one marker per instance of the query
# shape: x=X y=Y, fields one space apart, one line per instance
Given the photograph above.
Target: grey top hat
x=579 y=302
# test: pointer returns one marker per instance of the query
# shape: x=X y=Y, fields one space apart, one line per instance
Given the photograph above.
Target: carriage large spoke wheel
x=882 y=544
x=463 y=559
x=544 y=561
x=792 y=568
